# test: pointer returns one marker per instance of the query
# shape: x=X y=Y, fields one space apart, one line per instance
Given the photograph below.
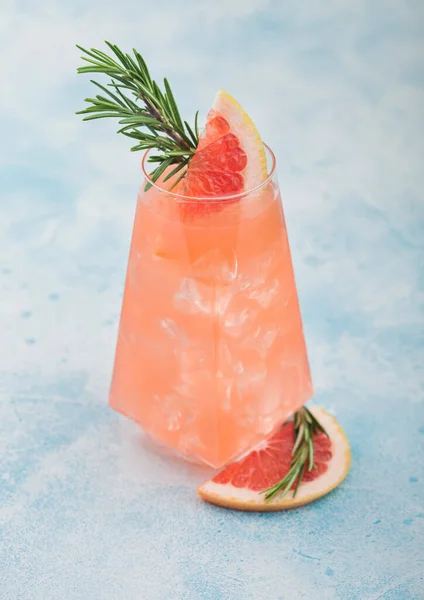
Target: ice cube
x=264 y=294
x=216 y=267
x=248 y=370
x=222 y=300
x=257 y=272
x=195 y=298
x=192 y=384
x=228 y=365
x=194 y=373
x=169 y=408
x=173 y=331
x=265 y=411
x=248 y=417
x=189 y=300
x=252 y=376
x=261 y=339
x=191 y=358
x=236 y=322
x=272 y=399
x=227 y=390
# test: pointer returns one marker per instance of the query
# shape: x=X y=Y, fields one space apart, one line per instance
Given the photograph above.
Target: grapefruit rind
x=229 y=496
x=250 y=141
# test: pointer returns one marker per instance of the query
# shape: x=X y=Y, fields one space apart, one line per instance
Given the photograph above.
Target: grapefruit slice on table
x=230 y=157
x=239 y=485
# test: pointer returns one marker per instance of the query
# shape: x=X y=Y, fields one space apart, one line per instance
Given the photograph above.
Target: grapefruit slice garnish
x=240 y=485
x=230 y=157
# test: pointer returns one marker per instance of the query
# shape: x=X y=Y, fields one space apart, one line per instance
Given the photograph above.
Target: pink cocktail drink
x=211 y=356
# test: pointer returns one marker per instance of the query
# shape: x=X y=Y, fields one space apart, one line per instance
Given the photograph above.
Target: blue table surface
x=87 y=510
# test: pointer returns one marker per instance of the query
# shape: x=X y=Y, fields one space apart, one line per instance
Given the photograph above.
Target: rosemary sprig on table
x=306 y=426
x=147 y=114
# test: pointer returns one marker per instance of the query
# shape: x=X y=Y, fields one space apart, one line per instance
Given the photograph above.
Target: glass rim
x=211 y=198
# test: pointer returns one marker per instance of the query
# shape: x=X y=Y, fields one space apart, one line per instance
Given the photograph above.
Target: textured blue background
x=86 y=511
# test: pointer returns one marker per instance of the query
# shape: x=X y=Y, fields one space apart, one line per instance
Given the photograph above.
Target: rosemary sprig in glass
x=151 y=117
x=147 y=114
x=306 y=426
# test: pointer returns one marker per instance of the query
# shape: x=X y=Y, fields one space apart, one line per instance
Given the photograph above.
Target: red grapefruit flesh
x=216 y=168
x=230 y=157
